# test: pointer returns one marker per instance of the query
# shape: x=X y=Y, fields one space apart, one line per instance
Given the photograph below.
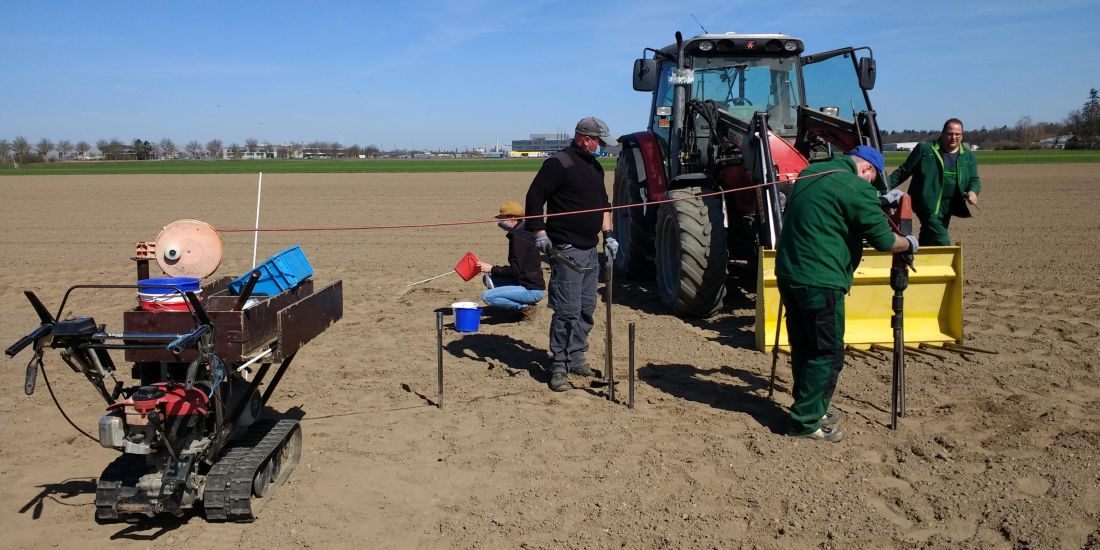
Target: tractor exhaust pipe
x=681 y=80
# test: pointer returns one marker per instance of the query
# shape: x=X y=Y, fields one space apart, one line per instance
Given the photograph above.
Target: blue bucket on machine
x=160 y=294
x=467 y=316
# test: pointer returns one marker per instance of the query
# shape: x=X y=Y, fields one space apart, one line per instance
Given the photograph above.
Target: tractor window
x=660 y=123
x=746 y=85
x=834 y=82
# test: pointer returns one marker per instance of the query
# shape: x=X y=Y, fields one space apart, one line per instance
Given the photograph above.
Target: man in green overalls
x=945 y=181
x=826 y=221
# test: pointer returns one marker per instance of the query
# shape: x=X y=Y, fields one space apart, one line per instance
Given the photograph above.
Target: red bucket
x=163 y=302
x=467 y=267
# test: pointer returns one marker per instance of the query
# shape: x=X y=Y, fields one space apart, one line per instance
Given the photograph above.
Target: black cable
x=56 y=403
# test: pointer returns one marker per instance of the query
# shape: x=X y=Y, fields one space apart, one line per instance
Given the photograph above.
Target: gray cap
x=593 y=126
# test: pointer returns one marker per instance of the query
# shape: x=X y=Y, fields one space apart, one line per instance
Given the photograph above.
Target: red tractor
x=729 y=111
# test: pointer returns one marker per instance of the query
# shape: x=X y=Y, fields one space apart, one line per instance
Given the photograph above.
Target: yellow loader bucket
x=933 y=301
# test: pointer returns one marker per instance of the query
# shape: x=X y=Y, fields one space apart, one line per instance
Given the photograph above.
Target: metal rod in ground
x=899 y=281
x=609 y=360
x=439 y=357
x=775 y=348
x=630 y=332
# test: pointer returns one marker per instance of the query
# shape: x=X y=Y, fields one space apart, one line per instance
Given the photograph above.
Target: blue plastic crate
x=279 y=273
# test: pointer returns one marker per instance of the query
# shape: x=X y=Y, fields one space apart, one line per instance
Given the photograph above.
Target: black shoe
x=582 y=370
x=825 y=433
x=559 y=381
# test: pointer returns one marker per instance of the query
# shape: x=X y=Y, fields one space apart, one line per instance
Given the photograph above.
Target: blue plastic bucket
x=163 y=285
x=467 y=316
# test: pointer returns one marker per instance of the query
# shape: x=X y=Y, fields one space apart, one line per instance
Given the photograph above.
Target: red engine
x=170 y=398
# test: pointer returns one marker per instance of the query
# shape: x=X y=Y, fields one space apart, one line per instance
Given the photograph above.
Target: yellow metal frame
x=933 y=300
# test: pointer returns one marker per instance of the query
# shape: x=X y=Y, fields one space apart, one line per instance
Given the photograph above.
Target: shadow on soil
x=145 y=529
x=733 y=322
x=57 y=492
x=501 y=351
x=744 y=395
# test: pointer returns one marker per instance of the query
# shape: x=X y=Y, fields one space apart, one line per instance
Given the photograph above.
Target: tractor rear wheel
x=634 y=227
x=692 y=256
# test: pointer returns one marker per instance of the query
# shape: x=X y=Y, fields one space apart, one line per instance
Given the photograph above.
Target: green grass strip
x=398 y=166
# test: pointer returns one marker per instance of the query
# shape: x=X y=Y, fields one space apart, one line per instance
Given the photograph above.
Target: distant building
x=544 y=145
x=903 y=146
x=910 y=145
x=1056 y=142
x=540 y=145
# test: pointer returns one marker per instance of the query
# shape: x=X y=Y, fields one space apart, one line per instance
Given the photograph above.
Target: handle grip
x=27 y=340
x=187 y=340
x=32 y=375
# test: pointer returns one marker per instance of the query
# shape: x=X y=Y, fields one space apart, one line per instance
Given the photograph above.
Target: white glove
x=913 y=244
x=891 y=198
x=542 y=242
x=610 y=245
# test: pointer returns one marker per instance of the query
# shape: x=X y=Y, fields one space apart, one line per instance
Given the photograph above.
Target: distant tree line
x=1079 y=130
x=22 y=151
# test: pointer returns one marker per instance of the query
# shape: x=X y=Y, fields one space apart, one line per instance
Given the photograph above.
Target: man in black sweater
x=519 y=285
x=570 y=181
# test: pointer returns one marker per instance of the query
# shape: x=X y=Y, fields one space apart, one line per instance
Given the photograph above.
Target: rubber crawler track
x=228 y=492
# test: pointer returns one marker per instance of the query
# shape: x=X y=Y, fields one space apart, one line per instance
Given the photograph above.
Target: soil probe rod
x=630 y=332
x=899 y=281
x=775 y=348
x=609 y=359
x=439 y=356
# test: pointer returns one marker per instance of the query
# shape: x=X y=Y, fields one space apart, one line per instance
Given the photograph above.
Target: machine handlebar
x=27 y=340
x=187 y=340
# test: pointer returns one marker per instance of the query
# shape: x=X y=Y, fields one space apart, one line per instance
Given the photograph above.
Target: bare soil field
x=998 y=451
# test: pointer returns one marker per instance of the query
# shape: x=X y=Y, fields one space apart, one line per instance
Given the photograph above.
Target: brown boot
x=528 y=313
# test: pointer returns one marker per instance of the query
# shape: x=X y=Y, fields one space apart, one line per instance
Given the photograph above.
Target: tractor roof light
x=706 y=46
x=790 y=46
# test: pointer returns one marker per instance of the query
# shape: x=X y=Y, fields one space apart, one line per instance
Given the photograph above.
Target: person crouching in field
x=519 y=285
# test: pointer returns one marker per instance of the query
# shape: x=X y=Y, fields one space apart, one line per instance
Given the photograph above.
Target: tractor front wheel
x=692 y=256
x=634 y=227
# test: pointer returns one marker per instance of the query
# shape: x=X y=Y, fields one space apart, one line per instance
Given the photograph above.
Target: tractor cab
x=817 y=103
x=729 y=111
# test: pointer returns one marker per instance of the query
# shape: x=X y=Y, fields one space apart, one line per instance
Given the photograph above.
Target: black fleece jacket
x=570 y=180
x=523 y=261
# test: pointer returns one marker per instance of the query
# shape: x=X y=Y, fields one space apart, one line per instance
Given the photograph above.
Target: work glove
x=891 y=199
x=542 y=242
x=610 y=245
x=913 y=244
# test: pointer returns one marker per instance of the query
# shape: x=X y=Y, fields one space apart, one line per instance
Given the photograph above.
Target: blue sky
x=430 y=74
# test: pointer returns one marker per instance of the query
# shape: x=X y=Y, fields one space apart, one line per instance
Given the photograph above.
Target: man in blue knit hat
x=828 y=216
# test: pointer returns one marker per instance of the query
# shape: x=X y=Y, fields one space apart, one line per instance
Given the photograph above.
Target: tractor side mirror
x=645 y=75
x=867 y=73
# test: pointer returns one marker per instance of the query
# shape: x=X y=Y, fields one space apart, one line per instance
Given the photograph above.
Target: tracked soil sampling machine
x=735 y=111
x=192 y=427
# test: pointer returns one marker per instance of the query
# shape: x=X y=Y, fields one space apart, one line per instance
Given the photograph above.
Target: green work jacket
x=826 y=221
x=929 y=188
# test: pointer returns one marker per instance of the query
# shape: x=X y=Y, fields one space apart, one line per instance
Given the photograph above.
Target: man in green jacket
x=945 y=181
x=826 y=221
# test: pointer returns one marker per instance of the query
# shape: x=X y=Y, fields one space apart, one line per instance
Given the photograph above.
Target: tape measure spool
x=189 y=248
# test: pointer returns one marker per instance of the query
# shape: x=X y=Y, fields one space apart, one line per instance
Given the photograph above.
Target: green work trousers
x=933 y=228
x=815 y=330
